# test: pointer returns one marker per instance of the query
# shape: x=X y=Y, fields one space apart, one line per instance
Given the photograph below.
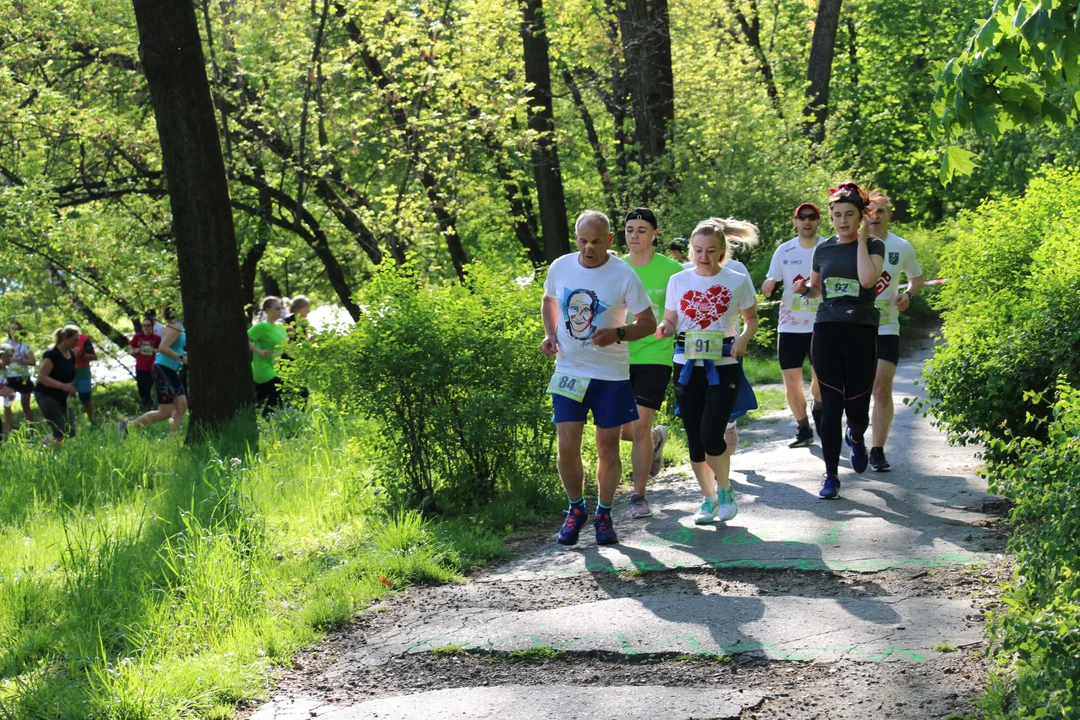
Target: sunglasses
x=806 y=217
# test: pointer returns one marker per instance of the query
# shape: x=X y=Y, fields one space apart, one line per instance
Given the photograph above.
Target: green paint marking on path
x=868 y=565
x=686 y=536
x=685 y=644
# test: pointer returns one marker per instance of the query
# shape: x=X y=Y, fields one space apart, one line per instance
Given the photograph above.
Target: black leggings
x=268 y=395
x=705 y=409
x=844 y=356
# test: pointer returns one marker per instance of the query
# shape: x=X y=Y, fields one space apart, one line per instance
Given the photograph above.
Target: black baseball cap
x=642 y=214
x=679 y=244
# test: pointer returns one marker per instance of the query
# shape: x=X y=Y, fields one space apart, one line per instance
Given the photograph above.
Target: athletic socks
x=804 y=423
x=578 y=503
x=602 y=509
x=715 y=498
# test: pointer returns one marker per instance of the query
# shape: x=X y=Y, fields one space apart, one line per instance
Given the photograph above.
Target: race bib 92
x=837 y=286
x=570 y=386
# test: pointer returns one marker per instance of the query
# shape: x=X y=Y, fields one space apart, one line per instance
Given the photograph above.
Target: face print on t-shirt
x=580 y=308
x=705 y=308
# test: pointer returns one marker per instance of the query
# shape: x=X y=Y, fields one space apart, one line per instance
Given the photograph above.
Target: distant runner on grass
x=586 y=298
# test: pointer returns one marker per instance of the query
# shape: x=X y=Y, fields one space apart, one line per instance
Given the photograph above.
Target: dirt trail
x=797 y=608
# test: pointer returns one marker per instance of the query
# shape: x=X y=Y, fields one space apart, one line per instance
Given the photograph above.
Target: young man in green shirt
x=650 y=359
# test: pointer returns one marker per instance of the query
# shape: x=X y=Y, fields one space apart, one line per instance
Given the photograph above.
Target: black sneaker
x=804 y=437
x=878 y=461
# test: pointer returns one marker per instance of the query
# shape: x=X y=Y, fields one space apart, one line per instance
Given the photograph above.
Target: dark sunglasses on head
x=806 y=217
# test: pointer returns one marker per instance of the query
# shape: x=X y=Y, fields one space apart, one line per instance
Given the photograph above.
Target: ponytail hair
x=731 y=234
x=299 y=303
x=64 y=333
x=849 y=192
x=266 y=303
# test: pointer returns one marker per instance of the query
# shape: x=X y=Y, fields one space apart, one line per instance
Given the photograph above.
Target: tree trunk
x=545 y=155
x=819 y=70
x=210 y=282
x=646 y=36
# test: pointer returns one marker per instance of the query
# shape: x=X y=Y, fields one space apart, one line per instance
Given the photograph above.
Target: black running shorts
x=650 y=384
x=792 y=349
x=888 y=348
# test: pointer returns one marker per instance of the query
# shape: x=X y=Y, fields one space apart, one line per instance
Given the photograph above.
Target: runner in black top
x=844 y=274
x=56 y=383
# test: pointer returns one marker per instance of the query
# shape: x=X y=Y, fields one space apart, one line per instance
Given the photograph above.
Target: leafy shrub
x=1014 y=324
x=452 y=377
x=1042 y=622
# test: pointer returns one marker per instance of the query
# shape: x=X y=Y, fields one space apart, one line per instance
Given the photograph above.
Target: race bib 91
x=836 y=286
x=570 y=386
x=705 y=345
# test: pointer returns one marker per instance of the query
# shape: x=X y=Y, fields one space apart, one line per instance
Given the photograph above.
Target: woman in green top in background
x=267 y=339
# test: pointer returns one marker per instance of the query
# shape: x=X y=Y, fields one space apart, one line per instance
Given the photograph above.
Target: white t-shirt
x=590 y=299
x=899 y=256
x=792 y=262
x=705 y=303
x=20 y=351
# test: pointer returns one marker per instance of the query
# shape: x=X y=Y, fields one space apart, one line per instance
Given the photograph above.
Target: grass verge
x=144 y=579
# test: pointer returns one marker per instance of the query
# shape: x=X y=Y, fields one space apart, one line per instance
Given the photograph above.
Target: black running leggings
x=705 y=409
x=844 y=356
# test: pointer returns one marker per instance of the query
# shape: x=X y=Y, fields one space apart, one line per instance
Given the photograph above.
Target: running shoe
x=830 y=488
x=878 y=461
x=571 y=527
x=726 y=509
x=731 y=437
x=657 y=454
x=816 y=412
x=707 y=513
x=639 y=507
x=804 y=437
x=858 y=458
x=605 y=533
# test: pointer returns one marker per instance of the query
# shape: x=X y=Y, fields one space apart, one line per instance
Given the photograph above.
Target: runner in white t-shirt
x=698 y=310
x=791 y=262
x=586 y=298
x=19 y=374
x=899 y=257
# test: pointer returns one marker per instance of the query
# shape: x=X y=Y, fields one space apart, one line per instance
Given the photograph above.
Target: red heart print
x=705 y=308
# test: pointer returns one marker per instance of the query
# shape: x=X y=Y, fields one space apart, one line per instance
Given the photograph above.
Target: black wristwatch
x=621 y=332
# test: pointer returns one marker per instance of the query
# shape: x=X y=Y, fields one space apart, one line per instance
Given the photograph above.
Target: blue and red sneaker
x=571 y=527
x=605 y=533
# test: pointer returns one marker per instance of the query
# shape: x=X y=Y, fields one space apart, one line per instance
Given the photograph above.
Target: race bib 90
x=705 y=345
x=804 y=304
x=570 y=386
x=836 y=286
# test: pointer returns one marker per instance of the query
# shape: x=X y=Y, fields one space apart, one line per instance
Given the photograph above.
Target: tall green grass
x=142 y=578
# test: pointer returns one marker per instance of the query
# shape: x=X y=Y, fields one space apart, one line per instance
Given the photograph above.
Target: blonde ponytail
x=731 y=234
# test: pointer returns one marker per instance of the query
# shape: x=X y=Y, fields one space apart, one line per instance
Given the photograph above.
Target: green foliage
x=148 y=579
x=453 y=379
x=1013 y=324
x=1041 y=622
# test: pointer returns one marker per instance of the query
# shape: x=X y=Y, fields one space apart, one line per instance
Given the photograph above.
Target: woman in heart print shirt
x=700 y=303
x=845 y=272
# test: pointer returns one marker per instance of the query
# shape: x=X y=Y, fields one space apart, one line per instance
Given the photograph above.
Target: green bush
x=1042 y=622
x=453 y=379
x=1014 y=323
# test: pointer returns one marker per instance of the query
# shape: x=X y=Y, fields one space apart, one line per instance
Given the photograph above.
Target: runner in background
x=698 y=310
x=143 y=347
x=19 y=374
x=899 y=257
x=650 y=357
x=678 y=249
x=844 y=275
x=746 y=400
x=159 y=329
x=171 y=358
x=84 y=383
x=586 y=298
x=791 y=262
x=299 y=330
x=267 y=340
x=56 y=383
